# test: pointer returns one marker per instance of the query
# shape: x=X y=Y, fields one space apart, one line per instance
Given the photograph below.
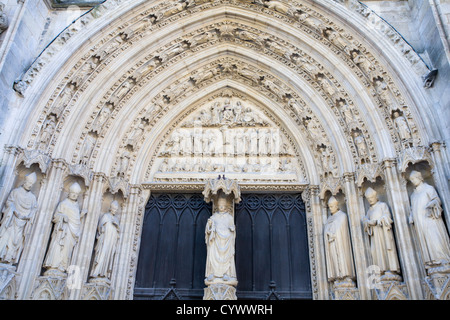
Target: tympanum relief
x=227 y=136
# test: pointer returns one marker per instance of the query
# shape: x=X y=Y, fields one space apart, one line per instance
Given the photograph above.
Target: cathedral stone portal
x=223 y=149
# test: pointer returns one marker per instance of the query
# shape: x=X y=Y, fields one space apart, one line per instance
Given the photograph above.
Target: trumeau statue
x=19 y=209
x=107 y=238
x=220 y=235
x=426 y=215
x=66 y=231
x=338 y=250
x=378 y=225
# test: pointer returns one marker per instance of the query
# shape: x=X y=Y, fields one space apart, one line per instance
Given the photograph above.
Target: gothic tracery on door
x=272 y=254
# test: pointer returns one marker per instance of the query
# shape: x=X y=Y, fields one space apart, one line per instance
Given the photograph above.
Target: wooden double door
x=272 y=253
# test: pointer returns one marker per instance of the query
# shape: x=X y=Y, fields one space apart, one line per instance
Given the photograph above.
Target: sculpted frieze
x=229 y=136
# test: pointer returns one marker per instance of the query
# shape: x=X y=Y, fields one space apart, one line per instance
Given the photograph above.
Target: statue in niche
x=220 y=235
x=88 y=147
x=346 y=111
x=361 y=146
x=363 y=63
x=112 y=46
x=107 y=238
x=402 y=126
x=66 y=232
x=137 y=133
x=64 y=99
x=247 y=36
x=315 y=132
x=426 y=215
x=19 y=209
x=378 y=225
x=122 y=91
x=338 y=40
x=101 y=118
x=123 y=163
x=47 y=131
x=338 y=249
x=86 y=69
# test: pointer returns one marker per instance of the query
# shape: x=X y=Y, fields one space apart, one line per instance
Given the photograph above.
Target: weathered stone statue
x=338 y=250
x=378 y=225
x=426 y=215
x=107 y=237
x=19 y=209
x=66 y=232
x=220 y=235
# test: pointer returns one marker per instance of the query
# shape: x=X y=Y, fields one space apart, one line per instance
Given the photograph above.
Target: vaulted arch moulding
x=329 y=97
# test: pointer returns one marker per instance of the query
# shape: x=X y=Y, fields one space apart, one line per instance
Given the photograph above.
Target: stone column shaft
x=128 y=251
x=34 y=253
x=398 y=197
x=355 y=216
x=83 y=251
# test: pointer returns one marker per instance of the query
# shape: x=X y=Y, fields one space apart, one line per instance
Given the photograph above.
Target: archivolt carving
x=319 y=27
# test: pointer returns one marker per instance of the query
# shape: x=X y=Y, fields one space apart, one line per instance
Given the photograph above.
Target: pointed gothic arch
x=337 y=93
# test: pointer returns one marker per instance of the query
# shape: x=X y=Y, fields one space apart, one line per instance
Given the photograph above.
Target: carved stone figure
x=101 y=118
x=19 y=209
x=137 y=133
x=426 y=215
x=88 y=147
x=66 y=232
x=220 y=235
x=361 y=146
x=338 y=249
x=378 y=225
x=123 y=163
x=346 y=111
x=107 y=237
x=47 y=131
x=64 y=99
x=402 y=126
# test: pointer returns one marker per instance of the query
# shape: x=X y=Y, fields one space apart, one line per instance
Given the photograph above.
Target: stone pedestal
x=51 y=286
x=220 y=291
x=344 y=290
x=390 y=287
x=97 y=289
x=7 y=282
x=437 y=283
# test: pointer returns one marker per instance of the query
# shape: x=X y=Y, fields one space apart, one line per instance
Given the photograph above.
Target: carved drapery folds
x=220 y=235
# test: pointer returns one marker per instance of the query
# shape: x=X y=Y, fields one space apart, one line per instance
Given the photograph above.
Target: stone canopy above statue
x=227 y=135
